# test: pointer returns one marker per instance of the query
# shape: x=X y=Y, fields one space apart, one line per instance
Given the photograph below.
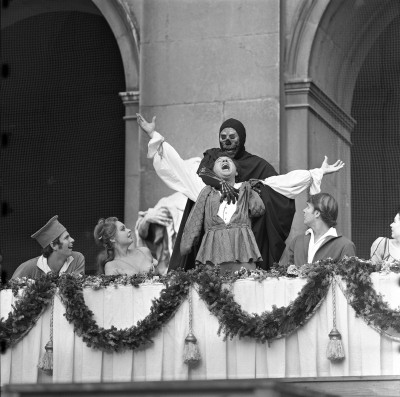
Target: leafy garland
x=211 y=287
x=113 y=339
x=362 y=296
x=37 y=294
x=269 y=325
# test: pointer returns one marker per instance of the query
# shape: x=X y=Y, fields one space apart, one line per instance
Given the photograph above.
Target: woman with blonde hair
x=119 y=256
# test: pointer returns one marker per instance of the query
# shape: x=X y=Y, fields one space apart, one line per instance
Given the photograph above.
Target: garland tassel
x=46 y=361
x=191 y=352
x=335 y=350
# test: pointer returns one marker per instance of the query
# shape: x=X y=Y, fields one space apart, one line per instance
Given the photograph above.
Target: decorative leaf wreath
x=37 y=295
x=211 y=285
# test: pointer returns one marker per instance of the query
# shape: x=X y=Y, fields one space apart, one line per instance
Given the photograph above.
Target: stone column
x=132 y=157
x=317 y=126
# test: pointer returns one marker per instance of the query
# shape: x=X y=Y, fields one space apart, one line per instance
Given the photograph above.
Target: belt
x=229 y=226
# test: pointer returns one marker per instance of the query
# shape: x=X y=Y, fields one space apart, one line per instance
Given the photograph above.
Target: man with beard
x=270 y=230
x=57 y=255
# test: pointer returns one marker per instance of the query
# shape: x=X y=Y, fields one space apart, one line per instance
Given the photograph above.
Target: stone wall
x=201 y=63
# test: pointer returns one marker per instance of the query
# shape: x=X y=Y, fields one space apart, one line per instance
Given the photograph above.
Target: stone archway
x=121 y=18
x=61 y=122
x=329 y=43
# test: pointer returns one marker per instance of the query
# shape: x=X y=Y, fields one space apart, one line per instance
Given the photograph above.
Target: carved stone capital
x=305 y=94
x=130 y=97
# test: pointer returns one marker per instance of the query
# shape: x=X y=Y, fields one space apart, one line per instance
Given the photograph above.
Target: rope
x=190 y=311
x=334 y=300
x=51 y=320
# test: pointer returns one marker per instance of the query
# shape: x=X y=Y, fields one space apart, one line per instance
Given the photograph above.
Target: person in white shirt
x=178 y=176
x=321 y=240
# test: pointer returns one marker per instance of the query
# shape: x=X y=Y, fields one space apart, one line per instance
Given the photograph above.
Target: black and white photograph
x=200 y=198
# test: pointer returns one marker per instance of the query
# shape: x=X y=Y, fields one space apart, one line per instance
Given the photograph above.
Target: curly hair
x=104 y=231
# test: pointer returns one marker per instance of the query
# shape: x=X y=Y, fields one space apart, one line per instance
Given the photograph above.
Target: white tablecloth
x=303 y=354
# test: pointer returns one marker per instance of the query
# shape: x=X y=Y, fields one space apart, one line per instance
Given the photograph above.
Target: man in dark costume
x=270 y=230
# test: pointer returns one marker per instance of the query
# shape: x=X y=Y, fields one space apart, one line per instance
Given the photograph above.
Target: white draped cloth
x=302 y=354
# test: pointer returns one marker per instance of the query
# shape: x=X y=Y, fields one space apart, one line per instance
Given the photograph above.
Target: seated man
x=321 y=240
x=158 y=227
x=57 y=255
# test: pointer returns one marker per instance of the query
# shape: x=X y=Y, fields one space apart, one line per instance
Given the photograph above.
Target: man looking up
x=57 y=255
x=321 y=240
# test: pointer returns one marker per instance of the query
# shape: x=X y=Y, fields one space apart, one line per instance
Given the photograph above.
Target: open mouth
x=225 y=166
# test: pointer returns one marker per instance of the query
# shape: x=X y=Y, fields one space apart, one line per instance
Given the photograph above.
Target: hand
x=329 y=169
x=256 y=185
x=160 y=216
x=147 y=127
x=228 y=192
x=254 y=182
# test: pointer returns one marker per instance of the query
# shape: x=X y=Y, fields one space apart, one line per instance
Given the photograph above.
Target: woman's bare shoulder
x=110 y=268
x=378 y=241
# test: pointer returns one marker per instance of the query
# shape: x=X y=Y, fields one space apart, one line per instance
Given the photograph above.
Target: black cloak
x=270 y=230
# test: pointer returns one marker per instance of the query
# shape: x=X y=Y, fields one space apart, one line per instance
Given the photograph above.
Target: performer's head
x=225 y=168
x=232 y=137
x=321 y=207
x=112 y=235
x=395 y=226
x=53 y=237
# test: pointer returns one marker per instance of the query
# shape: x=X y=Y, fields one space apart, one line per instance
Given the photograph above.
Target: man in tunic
x=57 y=255
x=271 y=229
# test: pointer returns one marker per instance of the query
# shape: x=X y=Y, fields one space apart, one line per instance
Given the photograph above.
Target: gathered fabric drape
x=302 y=354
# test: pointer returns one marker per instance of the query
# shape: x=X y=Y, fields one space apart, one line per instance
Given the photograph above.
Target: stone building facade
x=287 y=69
x=307 y=78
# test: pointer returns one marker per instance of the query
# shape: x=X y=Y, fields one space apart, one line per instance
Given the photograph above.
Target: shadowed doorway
x=63 y=140
x=375 y=166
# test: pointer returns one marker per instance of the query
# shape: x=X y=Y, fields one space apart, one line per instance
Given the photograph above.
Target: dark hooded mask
x=234 y=147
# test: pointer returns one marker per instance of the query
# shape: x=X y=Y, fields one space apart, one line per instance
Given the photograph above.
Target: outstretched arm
x=159 y=216
x=178 y=174
x=295 y=182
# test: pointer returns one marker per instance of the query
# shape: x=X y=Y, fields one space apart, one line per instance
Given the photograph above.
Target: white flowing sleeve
x=178 y=174
x=295 y=182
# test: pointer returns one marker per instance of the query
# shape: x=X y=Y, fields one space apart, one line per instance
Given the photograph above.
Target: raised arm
x=295 y=182
x=159 y=216
x=178 y=174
